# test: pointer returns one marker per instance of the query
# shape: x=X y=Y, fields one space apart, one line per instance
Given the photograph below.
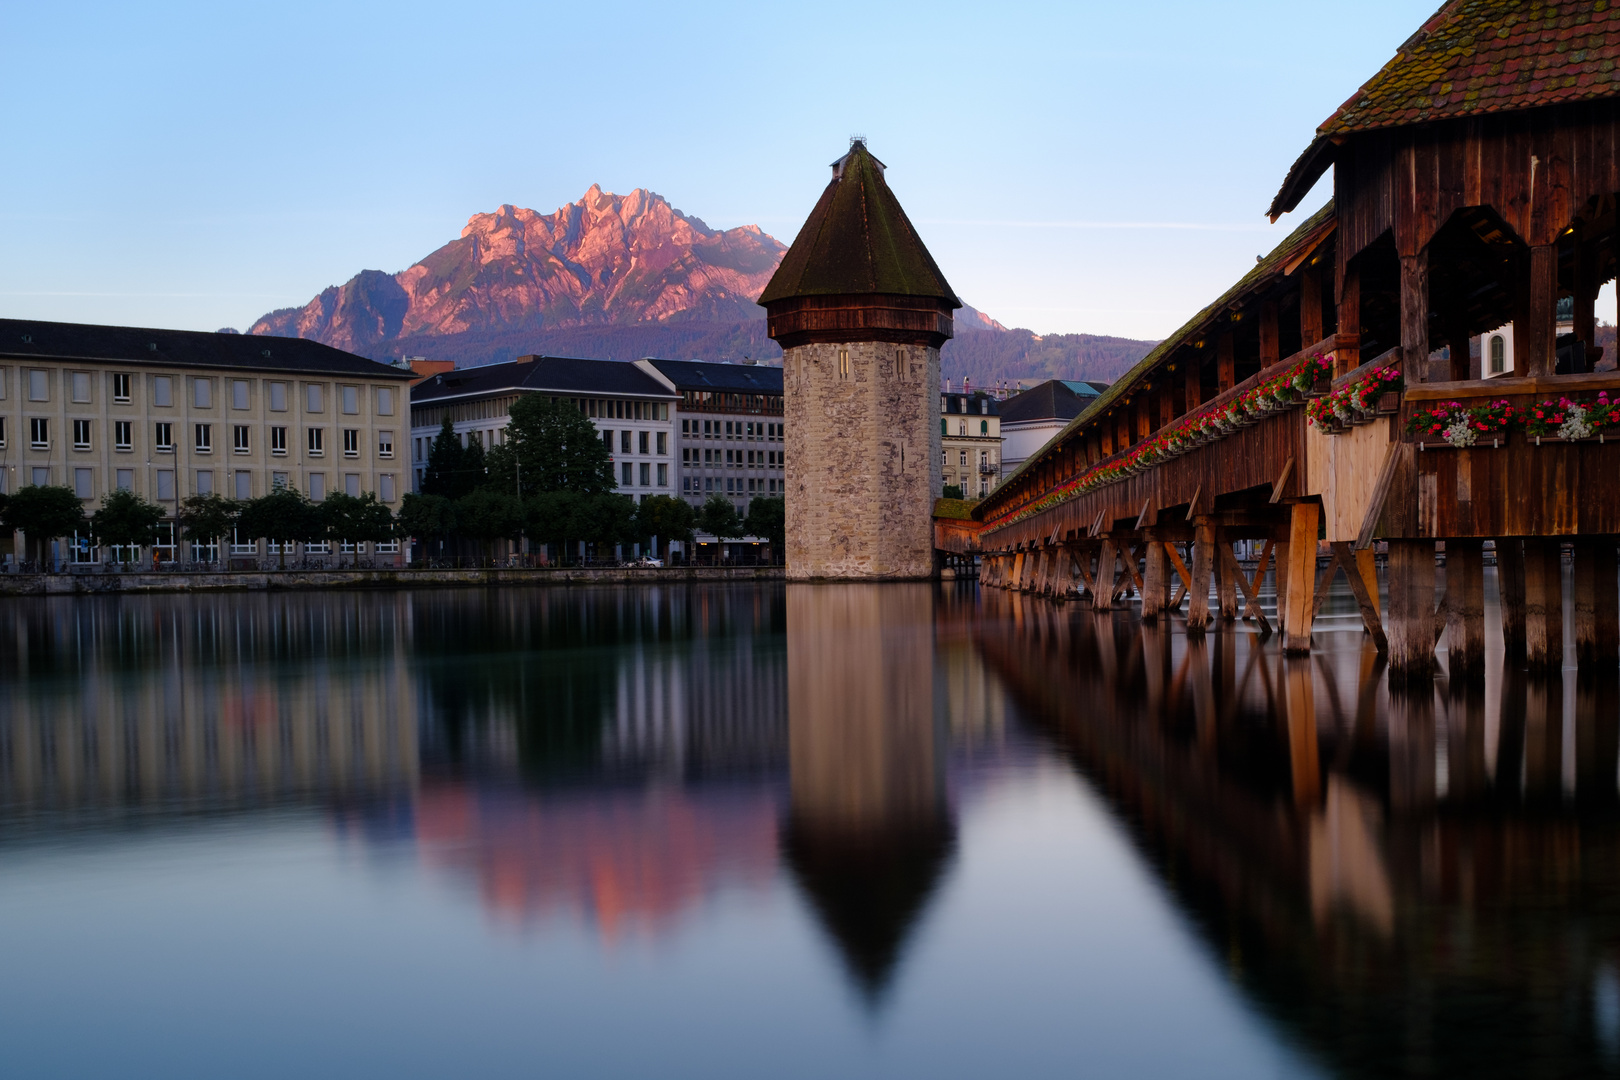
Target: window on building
x=81 y=434
x=239 y=438
x=708 y=484
x=642 y=442
x=316 y=441
x=351 y=442
x=39 y=433
x=843 y=363
x=80 y=382
x=686 y=485
x=317 y=486
x=962 y=457
x=126 y=479
x=646 y=474
x=944 y=426
x=202 y=393
x=205 y=481
x=1498 y=354
x=244 y=484
x=163 y=437
x=663 y=475
x=984 y=427
x=278 y=440
x=278 y=481
x=123 y=434
x=624 y=441
x=239 y=393
x=204 y=443
x=39 y=386
x=41 y=476
x=314 y=401
x=351 y=484
x=385 y=444
x=385 y=487
x=165 y=485
x=351 y=400
x=82 y=484
x=607 y=440
x=278 y=397
x=162 y=391
x=385 y=401
x=961 y=427
x=120 y=387
x=625 y=474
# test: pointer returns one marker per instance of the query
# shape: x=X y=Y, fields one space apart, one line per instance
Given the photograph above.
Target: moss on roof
x=1311 y=229
x=858 y=241
x=1473 y=57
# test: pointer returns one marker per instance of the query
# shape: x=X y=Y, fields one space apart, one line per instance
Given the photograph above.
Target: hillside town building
x=860 y=310
x=1032 y=417
x=172 y=413
x=970 y=438
x=729 y=428
x=631 y=406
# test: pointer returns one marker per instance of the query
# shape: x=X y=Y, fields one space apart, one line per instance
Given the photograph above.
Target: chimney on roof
x=425 y=368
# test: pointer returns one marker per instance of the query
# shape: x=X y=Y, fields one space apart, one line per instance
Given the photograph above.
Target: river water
x=815 y=831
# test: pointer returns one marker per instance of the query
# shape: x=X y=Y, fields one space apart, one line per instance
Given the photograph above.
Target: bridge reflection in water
x=1425 y=884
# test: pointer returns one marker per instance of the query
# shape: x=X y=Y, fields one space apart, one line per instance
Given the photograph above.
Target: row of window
x=81 y=383
x=945 y=457
x=733 y=485
x=240 y=481
x=643 y=443
x=733 y=429
x=604 y=409
x=84 y=549
x=627 y=474
x=751 y=459
x=962 y=427
x=39 y=438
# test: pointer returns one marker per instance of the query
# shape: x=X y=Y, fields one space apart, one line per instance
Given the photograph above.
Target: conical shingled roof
x=858 y=241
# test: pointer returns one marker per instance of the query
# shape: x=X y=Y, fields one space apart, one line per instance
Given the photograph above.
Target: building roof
x=551 y=374
x=1050 y=400
x=1085 y=387
x=733 y=378
x=980 y=403
x=1470 y=58
x=858 y=241
x=26 y=339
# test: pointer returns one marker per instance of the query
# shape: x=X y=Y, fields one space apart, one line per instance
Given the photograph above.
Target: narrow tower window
x=843 y=363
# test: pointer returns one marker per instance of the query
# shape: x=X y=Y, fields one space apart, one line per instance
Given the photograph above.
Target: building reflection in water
x=1412 y=884
x=868 y=828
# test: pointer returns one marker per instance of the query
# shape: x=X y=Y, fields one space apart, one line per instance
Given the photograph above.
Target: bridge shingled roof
x=1313 y=229
x=858 y=241
x=1470 y=58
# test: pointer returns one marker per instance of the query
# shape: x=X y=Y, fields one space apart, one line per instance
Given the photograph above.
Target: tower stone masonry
x=860 y=310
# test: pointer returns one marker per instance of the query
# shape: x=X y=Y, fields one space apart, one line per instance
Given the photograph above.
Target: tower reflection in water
x=1410 y=883
x=868 y=828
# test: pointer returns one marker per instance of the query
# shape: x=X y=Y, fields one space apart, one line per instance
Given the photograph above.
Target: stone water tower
x=860 y=310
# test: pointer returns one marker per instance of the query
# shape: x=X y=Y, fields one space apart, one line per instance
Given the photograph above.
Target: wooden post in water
x=1510 y=590
x=1465 y=607
x=1296 y=623
x=1102 y=596
x=1155 y=579
x=1543 y=605
x=1411 y=610
x=1597 y=604
x=1203 y=565
x=1226 y=586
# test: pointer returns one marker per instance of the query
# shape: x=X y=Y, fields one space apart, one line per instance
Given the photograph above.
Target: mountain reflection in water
x=1406 y=885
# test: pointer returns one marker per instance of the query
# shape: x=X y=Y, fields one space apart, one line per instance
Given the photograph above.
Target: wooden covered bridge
x=1329 y=400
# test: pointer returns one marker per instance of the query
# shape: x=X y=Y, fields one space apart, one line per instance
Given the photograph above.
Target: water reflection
x=1396 y=883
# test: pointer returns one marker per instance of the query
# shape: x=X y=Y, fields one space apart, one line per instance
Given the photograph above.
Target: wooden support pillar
x=1203 y=565
x=1347 y=356
x=1367 y=567
x=1534 y=343
x=1270 y=338
x=1019 y=563
x=1411 y=610
x=1460 y=344
x=1465 y=607
x=1510 y=591
x=1226 y=586
x=1586 y=285
x=1144 y=415
x=1102 y=593
x=1597 y=604
x=1155 y=579
x=1304 y=762
x=1310 y=306
x=1192 y=387
x=1415 y=316
x=1543 y=605
x=1296 y=625
x=1225 y=363
x=1166 y=396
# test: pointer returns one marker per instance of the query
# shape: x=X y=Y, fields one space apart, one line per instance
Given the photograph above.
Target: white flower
x=1575 y=425
x=1460 y=432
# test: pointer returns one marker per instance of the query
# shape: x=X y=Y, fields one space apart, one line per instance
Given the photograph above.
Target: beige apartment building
x=172 y=413
x=970 y=440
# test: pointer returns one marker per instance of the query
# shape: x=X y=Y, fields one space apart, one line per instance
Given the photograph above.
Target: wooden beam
x=1270 y=343
x=1301 y=577
x=1465 y=607
x=1145 y=518
x=1310 y=304
x=1535 y=342
x=1192 y=387
x=1203 y=564
x=1415 y=316
x=1356 y=563
x=1192 y=507
x=1102 y=597
x=1597 y=604
x=1411 y=610
x=1347 y=358
x=1225 y=362
x=1543 y=605
x=1251 y=593
x=1380 y=495
x=1180 y=567
x=1510 y=590
x=1277 y=485
x=1155 y=581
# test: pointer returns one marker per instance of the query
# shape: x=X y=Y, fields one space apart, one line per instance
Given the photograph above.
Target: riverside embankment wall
x=270 y=580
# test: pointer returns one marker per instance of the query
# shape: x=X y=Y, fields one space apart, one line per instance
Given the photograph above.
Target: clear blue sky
x=1073 y=167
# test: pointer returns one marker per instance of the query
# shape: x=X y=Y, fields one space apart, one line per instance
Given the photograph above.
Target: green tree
x=355 y=519
x=43 y=512
x=552 y=446
x=549 y=517
x=427 y=517
x=283 y=516
x=204 y=518
x=488 y=515
x=719 y=518
x=126 y=520
x=951 y=491
x=667 y=518
x=767 y=518
x=452 y=470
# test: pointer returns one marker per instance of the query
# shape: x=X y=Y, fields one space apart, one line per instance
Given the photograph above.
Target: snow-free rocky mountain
x=622 y=276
